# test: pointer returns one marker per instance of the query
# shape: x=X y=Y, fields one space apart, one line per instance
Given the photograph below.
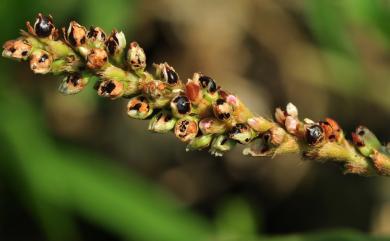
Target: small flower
x=180 y=106
x=43 y=26
x=162 y=122
x=40 y=62
x=139 y=107
x=212 y=126
x=136 y=57
x=73 y=83
x=186 y=128
x=242 y=133
x=19 y=49
x=208 y=83
x=96 y=34
x=280 y=116
x=110 y=88
x=291 y=124
x=167 y=74
x=292 y=110
x=199 y=142
x=221 y=144
x=365 y=141
x=314 y=134
x=97 y=58
x=222 y=110
x=76 y=34
x=116 y=42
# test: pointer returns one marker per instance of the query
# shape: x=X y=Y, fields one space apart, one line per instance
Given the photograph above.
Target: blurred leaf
x=235 y=221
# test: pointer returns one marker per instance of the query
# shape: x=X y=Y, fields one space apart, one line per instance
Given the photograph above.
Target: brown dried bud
x=73 y=83
x=96 y=34
x=97 y=58
x=110 y=88
x=280 y=116
x=17 y=49
x=76 y=34
x=222 y=109
x=242 y=133
x=116 y=42
x=186 y=128
x=136 y=57
x=40 y=62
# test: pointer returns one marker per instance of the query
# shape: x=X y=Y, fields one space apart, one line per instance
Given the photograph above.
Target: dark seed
x=314 y=134
x=71 y=38
x=361 y=133
x=43 y=27
x=209 y=83
x=136 y=106
x=74 y=79
x=168 y=117
x=12 y=49
x=108 y=87
x=172 y=77
x=220 y=101
x=24 y=53
x=182 y=104
x=111 y=46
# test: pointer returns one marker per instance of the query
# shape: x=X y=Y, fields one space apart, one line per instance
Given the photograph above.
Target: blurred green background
x=76 y=168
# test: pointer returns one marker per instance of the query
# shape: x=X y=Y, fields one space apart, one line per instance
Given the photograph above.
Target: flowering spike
x=199 y=112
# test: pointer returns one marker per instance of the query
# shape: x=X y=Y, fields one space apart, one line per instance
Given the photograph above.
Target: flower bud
x=40 y=62
x=186 y=128
x=222 y=110
x=180 y=106
x=73 y=83
x=96 y=34
x=136 y=57
x=43 y=26
x=116 y=42
x=221 y=144
x=97 y=58
x=199 y=142
x=259 y=124
x=193 y=91
x=314 y=134
x=291 y=124
x=242 y=133
x=292 y=110
x=280 y=116
x=162 y=122
x=365 y=141
x=18 y=49
x=76 y=34
x=167 y=74
x=332 y=131
x=139 y=107
x=110 y=88
x=212 y=126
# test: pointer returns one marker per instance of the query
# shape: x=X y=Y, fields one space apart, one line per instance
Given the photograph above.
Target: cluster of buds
x=198 y=112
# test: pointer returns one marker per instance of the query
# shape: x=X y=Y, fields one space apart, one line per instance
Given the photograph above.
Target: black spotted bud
x=112 y=89
x=96 y=35
x=186 y=128
x=139 y=107
x=19 y=49
x=180 y=106
x=73 y=83
x=242 y=133
x=76 y=35
x=136 y=57
x=40 y=62
x=97 y=58
x=162 y=122
x=222 y=110
x=116 y=42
